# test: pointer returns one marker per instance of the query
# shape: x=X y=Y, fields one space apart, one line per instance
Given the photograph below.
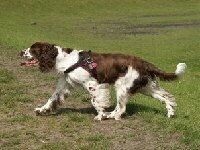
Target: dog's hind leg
x=122 y=98
x=154 y=90
x=123 y=87
x=56 y=99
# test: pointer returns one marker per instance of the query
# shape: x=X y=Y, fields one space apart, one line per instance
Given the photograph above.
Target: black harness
x=84 y=60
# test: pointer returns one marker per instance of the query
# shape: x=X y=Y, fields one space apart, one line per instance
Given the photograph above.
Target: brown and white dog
x=129 y=74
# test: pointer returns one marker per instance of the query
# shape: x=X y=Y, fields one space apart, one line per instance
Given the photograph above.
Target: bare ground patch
x=171 y=15
x=176 y=24
x=123 y=27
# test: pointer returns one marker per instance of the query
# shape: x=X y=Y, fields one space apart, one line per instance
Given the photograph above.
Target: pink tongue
x=29 y=63
x=94 y=65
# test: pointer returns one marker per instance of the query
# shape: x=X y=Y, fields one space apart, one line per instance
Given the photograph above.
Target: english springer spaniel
x=129 y=74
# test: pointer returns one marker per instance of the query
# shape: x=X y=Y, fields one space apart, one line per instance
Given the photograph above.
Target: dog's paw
x=110 y=115
x=113 y=115
x=100 y=117
x=170 y=114
x=42 y=111
x=118 y=117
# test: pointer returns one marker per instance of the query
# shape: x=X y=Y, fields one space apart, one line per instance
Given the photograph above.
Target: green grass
x=146 y=28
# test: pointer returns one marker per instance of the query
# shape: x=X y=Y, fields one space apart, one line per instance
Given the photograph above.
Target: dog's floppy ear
x=47 y=59
x=46 y=54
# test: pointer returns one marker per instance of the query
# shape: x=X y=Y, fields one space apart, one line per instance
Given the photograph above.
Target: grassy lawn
x=162 y=32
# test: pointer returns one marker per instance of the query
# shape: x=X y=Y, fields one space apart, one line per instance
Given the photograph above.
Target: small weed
x=130 y=135
x=95 y=138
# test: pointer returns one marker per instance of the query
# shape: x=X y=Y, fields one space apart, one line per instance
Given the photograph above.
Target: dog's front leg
x=56 y=99
x=100 y=98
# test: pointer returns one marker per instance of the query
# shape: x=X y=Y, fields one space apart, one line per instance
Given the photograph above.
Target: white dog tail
x=180 y=69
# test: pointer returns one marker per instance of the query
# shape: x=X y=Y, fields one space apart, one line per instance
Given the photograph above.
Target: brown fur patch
x=46 y=54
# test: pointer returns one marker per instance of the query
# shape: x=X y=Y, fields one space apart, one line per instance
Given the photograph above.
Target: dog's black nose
x=22 y=53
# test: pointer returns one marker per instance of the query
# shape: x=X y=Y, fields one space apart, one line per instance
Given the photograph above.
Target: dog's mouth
x=30 y=62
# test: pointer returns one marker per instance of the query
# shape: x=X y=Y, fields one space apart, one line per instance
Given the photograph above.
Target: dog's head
x=41 y=53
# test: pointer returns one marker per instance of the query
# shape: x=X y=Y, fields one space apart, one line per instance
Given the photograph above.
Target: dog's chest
x=78 y=77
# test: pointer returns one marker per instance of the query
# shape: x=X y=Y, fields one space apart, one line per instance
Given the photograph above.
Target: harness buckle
x=89 y=60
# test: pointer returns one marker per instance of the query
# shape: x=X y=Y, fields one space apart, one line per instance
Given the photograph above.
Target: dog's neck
x=64 y=59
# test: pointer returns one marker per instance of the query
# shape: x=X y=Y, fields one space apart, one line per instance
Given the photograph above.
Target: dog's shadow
x=130 y=110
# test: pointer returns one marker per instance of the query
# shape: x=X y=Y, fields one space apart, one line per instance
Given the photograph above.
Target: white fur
x=100 y=97
x=61 y=55
x=27 y=54
x=180 y=69
x=100 y=92
x=122 y=86
x=154 y=90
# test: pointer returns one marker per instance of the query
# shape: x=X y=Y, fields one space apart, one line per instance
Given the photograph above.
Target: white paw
x=113 y=115
x=101 y=116
x=98 y=117
x=170 y=114
x=117 y=117
x=110 y=115
x=42 y=111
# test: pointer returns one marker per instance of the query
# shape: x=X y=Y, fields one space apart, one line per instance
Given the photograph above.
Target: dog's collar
x=84 y=60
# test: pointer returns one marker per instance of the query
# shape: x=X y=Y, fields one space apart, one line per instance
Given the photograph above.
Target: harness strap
x=84 y=60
